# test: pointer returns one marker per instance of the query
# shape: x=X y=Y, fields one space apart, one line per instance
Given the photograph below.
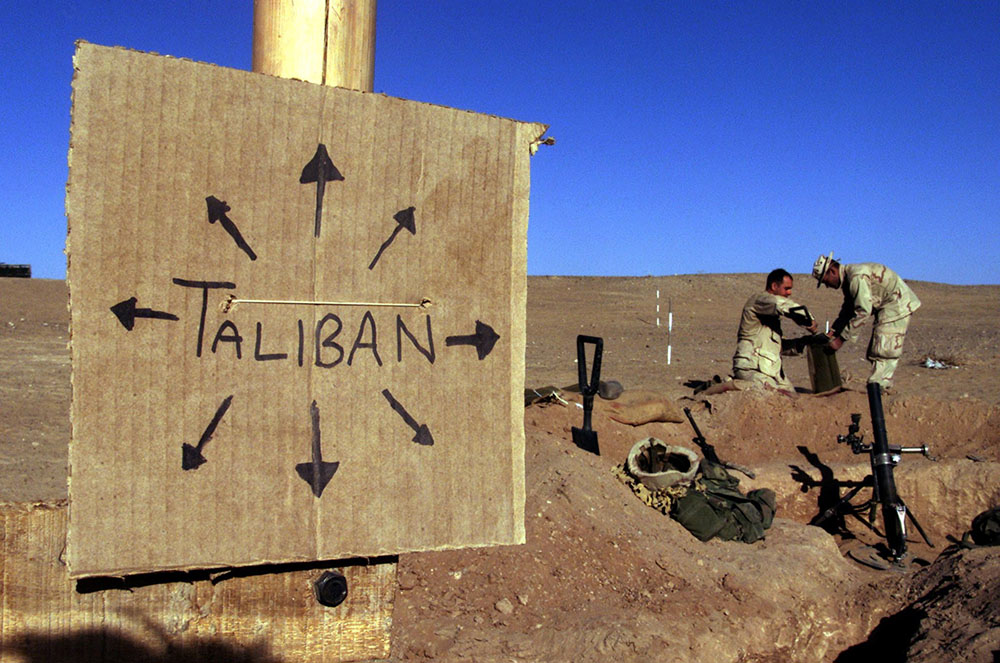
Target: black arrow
x=217 y=212
x=320 y=170
x=404 y=219
x=484 y=339
x=126 y=312
x=191 y=458
x=316 y=472
x=423 y=433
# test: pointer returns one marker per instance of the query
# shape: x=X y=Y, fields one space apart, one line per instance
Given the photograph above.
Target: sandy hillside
x=603 y=576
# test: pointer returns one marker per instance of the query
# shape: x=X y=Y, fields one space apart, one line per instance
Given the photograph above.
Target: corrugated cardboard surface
x=152 y=139
x=259 y=618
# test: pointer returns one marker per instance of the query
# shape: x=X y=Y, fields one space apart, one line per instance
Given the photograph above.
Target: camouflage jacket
x=871 y=289
x=758 y=344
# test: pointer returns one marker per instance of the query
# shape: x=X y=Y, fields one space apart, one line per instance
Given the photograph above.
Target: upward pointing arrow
x=320 y=170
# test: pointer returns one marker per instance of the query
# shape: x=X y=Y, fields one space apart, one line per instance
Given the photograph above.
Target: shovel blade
x=586 y=440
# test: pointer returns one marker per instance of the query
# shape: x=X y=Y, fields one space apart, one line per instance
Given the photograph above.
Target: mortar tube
x=893 y=509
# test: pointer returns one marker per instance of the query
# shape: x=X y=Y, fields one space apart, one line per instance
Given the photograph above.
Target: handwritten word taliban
x=329 y=348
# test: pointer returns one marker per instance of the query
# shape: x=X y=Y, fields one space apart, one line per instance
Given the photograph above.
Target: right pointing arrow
x=484 y=339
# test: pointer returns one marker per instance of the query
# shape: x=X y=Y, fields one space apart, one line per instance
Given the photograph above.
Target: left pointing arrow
x=217 y=212
x=126 y=312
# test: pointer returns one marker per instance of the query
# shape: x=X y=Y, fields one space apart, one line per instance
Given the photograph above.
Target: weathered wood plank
x=252 y=617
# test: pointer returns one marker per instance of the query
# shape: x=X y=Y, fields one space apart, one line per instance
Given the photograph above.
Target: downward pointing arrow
x=126 y=312
x=484 y=339
x=320 y=170
x=316 y=473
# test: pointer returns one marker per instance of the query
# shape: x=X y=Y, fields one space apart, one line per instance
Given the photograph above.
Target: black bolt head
x=331 y=589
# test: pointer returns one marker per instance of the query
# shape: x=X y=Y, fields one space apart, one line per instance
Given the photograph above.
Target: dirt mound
x=603 y=575
x=953 y=614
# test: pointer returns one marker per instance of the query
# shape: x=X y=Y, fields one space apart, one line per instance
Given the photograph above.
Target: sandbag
x=637 y=407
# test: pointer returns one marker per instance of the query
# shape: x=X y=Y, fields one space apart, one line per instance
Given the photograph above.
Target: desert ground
x=602 y=575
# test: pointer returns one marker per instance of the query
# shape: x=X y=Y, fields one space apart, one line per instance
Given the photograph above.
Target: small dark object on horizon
x=15 y=271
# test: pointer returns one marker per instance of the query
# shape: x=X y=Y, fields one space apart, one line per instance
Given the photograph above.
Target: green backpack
x=716 y=508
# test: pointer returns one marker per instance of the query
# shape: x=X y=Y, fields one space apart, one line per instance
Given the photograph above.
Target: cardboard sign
x=297 y=319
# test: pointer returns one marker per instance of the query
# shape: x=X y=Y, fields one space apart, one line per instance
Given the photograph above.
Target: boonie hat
x=820 y=266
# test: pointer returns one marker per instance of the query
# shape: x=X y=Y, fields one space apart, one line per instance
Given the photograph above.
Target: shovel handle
x=589 y=388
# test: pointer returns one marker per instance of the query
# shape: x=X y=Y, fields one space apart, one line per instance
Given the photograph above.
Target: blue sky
x=692 y=137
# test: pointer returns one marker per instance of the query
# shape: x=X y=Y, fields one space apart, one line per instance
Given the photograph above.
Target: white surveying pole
x=670 y=326
x=670 y=321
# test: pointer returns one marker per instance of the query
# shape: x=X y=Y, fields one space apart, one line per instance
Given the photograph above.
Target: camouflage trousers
x=779 y=381
x=885 y=349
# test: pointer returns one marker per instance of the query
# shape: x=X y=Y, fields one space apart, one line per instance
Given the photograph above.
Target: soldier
x=759 y=343
x=870 y=289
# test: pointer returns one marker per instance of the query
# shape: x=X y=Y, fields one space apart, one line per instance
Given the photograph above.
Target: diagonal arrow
x=404 y=219
x=316 y=472
x=217 y=212
x=320 y=170
x=126 y=312
x=191 y=458
x=484 y=339
x=423 y=433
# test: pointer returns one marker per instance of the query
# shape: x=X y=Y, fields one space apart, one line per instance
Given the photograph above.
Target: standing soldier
x=870 y=289
x=759 y=343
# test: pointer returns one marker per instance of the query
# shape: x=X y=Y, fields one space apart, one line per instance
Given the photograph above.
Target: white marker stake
x=670 y=326
x=657 y=308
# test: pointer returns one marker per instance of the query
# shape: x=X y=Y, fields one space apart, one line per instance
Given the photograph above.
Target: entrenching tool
x=585 y=437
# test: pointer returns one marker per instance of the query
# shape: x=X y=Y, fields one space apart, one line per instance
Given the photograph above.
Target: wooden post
x=331 y=42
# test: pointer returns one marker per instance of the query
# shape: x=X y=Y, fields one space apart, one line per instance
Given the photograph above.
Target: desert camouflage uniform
x=758 y=345
x=870 y=288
